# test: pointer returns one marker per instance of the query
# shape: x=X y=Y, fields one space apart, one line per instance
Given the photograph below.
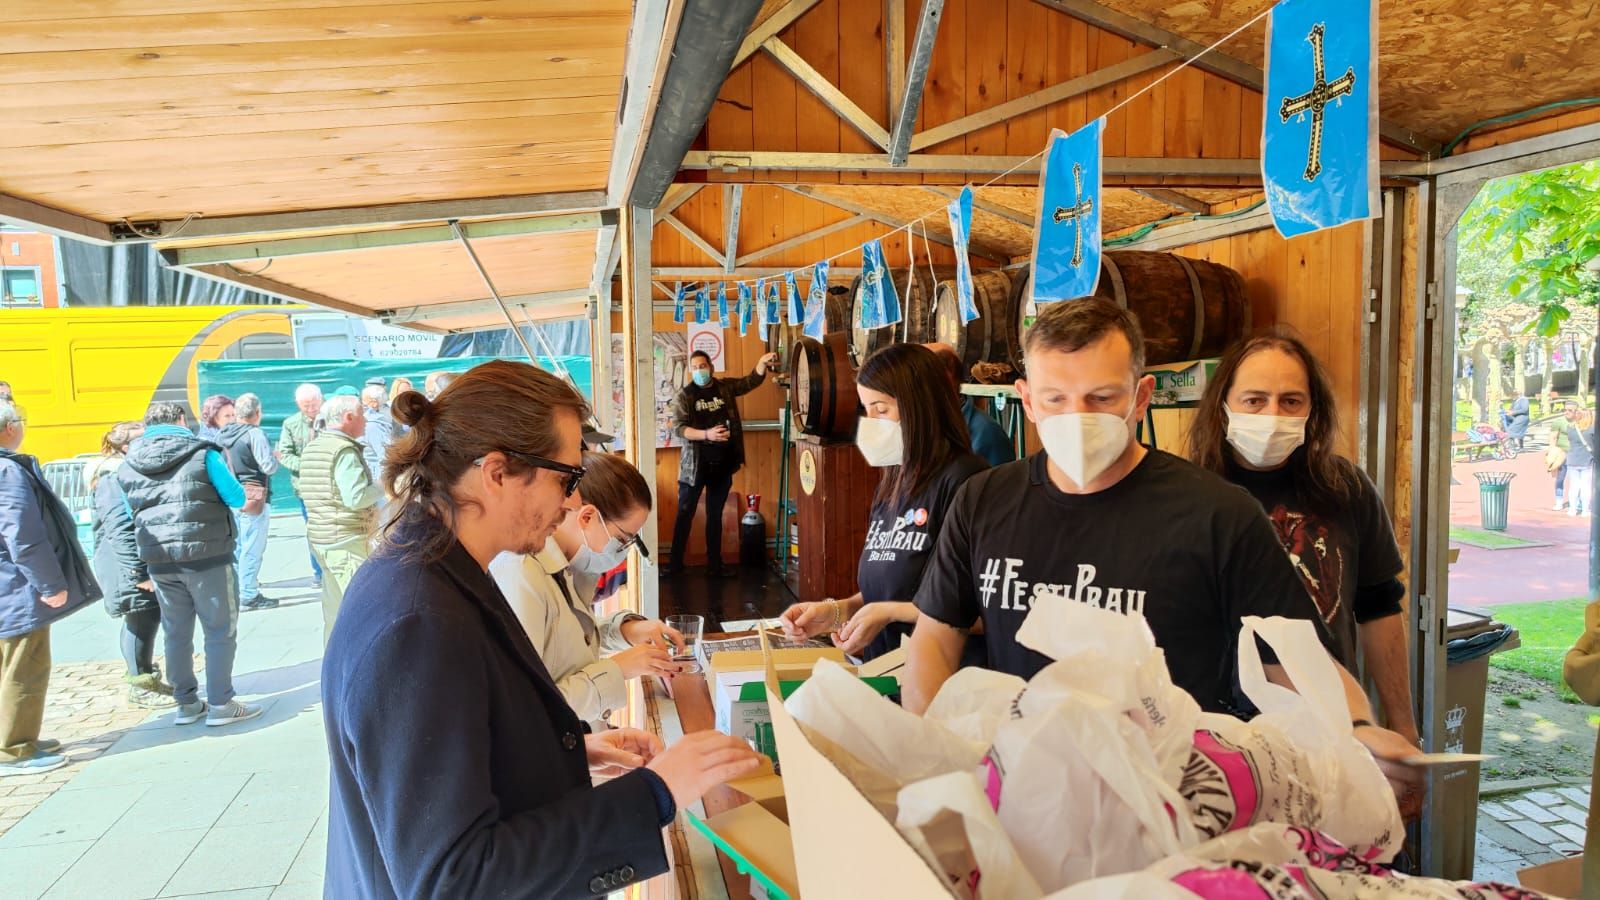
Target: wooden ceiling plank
x=771 y=26
x=832 y=198
x=801 y=240
x=85 y=9
x=825 y=91
x=400 y=21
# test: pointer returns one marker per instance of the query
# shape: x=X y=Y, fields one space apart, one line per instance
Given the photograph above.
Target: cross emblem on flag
x=1077 y=214
x=1314 y=101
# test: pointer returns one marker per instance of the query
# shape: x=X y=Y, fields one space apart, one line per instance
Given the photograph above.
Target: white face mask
x=1084 y=445
x=599 y=562
x=881 y=442
x=1264 y=442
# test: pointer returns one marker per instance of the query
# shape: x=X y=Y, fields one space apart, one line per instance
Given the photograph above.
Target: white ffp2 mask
x=1084 y=445
x=1264 y=442
x=881 y=442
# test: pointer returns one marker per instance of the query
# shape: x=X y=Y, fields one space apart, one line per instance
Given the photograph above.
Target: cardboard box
x=738 y=696
x=826 y=840
x=1562 y=878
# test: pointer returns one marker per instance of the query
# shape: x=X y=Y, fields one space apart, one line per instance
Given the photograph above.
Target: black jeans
x=716 y=486
x=139 y=639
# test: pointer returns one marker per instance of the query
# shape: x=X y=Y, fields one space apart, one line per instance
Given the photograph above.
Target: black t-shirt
x=1335 y=548
x=1171 y=542
x=708 y=408
x=901 y=536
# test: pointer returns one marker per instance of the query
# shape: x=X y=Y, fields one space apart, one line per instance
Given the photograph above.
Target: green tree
x=1543 y=228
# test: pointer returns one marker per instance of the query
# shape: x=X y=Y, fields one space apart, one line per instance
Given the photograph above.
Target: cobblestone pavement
x=1525 y=829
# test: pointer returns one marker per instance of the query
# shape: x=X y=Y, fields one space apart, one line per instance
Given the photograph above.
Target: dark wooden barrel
x=783 y=339
x=989 y=337
x=1188 y=308
x=917 y=290
x=822 y=382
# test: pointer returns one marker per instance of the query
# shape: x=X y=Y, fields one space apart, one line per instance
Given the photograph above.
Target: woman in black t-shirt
x=1268 y=423
x=914 y=430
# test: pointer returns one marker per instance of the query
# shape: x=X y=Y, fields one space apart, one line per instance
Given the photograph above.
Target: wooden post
x=638 y=390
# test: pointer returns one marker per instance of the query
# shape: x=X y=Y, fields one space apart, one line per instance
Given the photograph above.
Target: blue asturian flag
x=792 y=289
x=677 y=303
x=880 y=306
x=1066 y=242
x=746 y=309
x=702 y=304
x=1319 y=136
x=960 y=211
x=816 y=319
x=722 y=306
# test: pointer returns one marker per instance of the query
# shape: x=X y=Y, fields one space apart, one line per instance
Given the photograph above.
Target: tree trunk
x=1491 y=403
x=1519 y=362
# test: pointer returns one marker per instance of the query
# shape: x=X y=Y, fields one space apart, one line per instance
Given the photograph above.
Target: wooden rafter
x=1027 y=103
x=850 y=206
x=1017 y=216
x=1175 y=199
x=1216 y=62
x=916 y=79
x=835 y=99
x=732 y=206
x=773 y=25
x=695 y=239
x=676 y=196
x=801 y=239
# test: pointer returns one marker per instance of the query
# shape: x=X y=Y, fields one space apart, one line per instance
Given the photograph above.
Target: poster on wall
x=710 y=338
x=619 y=424
x=671 y=352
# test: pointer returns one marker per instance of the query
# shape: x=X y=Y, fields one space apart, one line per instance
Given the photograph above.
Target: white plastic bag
x=949 y=820
x=1296 y=763
x=974 y=702
x=876 y=744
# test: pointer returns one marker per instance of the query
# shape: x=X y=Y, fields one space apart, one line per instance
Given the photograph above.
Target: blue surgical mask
x=702 y=377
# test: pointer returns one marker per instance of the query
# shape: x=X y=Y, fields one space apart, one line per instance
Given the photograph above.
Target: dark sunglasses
x=574 y=474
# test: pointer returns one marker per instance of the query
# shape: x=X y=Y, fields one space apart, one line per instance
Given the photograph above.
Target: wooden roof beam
x=1015 y=216
x=55 y=221
x=1175 y=199
x=732 y=161
x=677 y=195
x=916 y=80
x=835 y=99
x=801 y=239
x=1027 y=103
x=701 y=243
x=408 y=315
x=732 y=206
x=227 y=274
x=1216 y=62
x=975 y=245
x=786 y=15
x=1185 y=234
x=705 y=273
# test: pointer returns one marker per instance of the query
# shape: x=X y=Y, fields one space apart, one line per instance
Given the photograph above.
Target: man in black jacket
x=253 y=462
x=705 y=415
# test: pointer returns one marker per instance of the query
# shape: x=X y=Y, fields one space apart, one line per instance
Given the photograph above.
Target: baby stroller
x=1483 y=440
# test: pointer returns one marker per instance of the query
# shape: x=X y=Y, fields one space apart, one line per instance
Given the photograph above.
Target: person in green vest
x=341 y=497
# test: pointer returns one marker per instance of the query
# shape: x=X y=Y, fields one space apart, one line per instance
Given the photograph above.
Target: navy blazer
x=457 y=768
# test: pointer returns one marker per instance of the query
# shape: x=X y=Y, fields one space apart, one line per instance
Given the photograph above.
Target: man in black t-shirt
x=1097 y=518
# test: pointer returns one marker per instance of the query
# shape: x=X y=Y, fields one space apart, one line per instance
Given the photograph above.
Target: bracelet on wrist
x=1361 y=723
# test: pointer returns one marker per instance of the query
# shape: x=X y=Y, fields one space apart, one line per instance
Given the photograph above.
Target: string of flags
x=1319 y=170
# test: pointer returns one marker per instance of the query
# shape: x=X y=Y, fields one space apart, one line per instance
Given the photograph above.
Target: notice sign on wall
x=708 y=338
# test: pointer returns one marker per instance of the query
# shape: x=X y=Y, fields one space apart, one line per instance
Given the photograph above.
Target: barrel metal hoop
x=1119 y=290
x=1199 y=306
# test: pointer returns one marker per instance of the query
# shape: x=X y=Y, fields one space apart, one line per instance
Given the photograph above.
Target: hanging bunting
x=702 y=305
x=816 y=317
x=677 y=303
x=766 y=305
x=792 y=287
x=1066 y=242
x=722 y=306
x=880 y=305
x=1319 y=136
x=746 y=308
x=960 y=211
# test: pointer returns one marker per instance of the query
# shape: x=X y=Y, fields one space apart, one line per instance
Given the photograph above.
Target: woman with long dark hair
x=1267 y=422
x=456 y=767
x=912 y=428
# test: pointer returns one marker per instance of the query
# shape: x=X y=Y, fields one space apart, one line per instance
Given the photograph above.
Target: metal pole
x=461 y=235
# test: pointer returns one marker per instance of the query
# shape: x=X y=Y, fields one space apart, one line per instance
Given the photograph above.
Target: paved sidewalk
x=1520 y=830
x=157 y=810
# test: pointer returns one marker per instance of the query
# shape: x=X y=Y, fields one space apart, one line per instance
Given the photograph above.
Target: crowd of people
x=180 y=515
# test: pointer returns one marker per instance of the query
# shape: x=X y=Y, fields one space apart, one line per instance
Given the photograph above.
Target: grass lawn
x=1490 y=540
x=1548 y=629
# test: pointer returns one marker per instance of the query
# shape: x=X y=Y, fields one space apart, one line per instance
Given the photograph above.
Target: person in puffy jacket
x=129 y=593
x=43 y=577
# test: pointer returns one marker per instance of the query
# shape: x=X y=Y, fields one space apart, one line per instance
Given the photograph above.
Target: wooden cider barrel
x=917 y=290
x=823 y=387
x=987 y=338
x=1188 y=308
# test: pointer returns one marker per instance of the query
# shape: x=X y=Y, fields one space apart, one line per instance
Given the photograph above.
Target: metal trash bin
x=1494 y=498
x=1471 y=638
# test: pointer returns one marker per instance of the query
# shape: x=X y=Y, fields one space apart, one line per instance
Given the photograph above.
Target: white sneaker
x=230 y=713
x=1560 y=505
x=189 y=713
x=1574 y=512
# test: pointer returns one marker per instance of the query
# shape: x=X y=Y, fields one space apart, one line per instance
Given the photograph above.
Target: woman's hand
x=701 y=761
x=807 y=620
x=865 y=625
x=620 y=749
x=652 y=633
x=645 y=659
